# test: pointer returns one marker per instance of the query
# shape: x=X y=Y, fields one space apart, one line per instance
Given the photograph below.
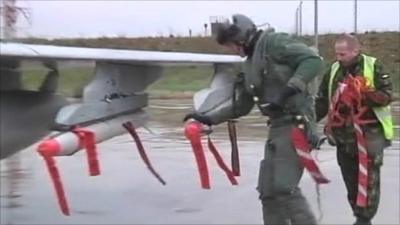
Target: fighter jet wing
x=137 y=57
x=117 y=93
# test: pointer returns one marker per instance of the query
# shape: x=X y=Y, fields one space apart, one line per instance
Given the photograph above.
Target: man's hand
x=376 y=98
x=201 y=118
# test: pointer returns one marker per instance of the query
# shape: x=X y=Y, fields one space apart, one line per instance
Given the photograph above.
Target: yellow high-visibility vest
x=383 y=113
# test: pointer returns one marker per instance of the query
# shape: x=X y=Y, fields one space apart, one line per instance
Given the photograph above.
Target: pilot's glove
x=311 y=134
x=315 y=141
x=279 y=100
x=198 y=117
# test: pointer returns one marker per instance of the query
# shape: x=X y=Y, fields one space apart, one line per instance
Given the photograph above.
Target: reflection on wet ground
x=126 y=193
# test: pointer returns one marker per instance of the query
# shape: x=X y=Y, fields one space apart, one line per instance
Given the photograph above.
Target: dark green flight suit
x=277 y=61
x=346 y=141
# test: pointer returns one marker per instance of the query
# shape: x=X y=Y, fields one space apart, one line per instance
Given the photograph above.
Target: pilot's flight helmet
x=239 y=31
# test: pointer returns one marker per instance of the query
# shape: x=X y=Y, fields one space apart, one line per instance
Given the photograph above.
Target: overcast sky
x=59 y=18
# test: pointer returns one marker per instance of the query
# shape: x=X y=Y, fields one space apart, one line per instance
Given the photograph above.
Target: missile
x=68 y=143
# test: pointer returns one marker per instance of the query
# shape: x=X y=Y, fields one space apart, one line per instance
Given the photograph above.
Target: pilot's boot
x=273 y=213
x=362 y=221
x=297 y=208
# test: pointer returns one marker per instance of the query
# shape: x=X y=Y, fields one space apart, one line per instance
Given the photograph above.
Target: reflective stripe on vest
x=382 y=113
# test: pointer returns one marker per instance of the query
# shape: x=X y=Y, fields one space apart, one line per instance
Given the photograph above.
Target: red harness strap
x=131 y=129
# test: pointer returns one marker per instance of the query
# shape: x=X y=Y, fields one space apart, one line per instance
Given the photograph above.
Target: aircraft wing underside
x=117 y=89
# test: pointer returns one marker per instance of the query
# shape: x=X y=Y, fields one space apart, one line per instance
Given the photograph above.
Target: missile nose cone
x=193 y=129
x=49 y=147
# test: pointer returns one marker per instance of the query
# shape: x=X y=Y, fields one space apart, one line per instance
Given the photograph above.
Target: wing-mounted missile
x=67 y=143
x=220 y=90
x=217 y=101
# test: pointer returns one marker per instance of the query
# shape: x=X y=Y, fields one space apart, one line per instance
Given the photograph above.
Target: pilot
x=276 y=77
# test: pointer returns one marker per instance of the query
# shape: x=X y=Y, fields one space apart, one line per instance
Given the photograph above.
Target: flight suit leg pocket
x=288 y=174
x=265 y=179
x=265 y=176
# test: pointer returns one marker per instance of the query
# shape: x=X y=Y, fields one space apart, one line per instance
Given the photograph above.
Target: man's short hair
x=351 y=40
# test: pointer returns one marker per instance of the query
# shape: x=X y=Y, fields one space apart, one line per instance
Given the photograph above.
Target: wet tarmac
x=127 y=193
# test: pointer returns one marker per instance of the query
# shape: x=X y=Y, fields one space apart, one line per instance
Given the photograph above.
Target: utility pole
x=301 y=18
x=298 y=19
x=316 y=23
x=355 y=16
x=296 y=22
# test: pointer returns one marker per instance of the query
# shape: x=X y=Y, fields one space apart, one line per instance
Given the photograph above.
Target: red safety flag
x=193 y=133
x=46 y=149
x=87 y=140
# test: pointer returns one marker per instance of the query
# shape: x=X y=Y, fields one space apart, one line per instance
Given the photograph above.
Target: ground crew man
x=275 y=77
x=351 y=64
